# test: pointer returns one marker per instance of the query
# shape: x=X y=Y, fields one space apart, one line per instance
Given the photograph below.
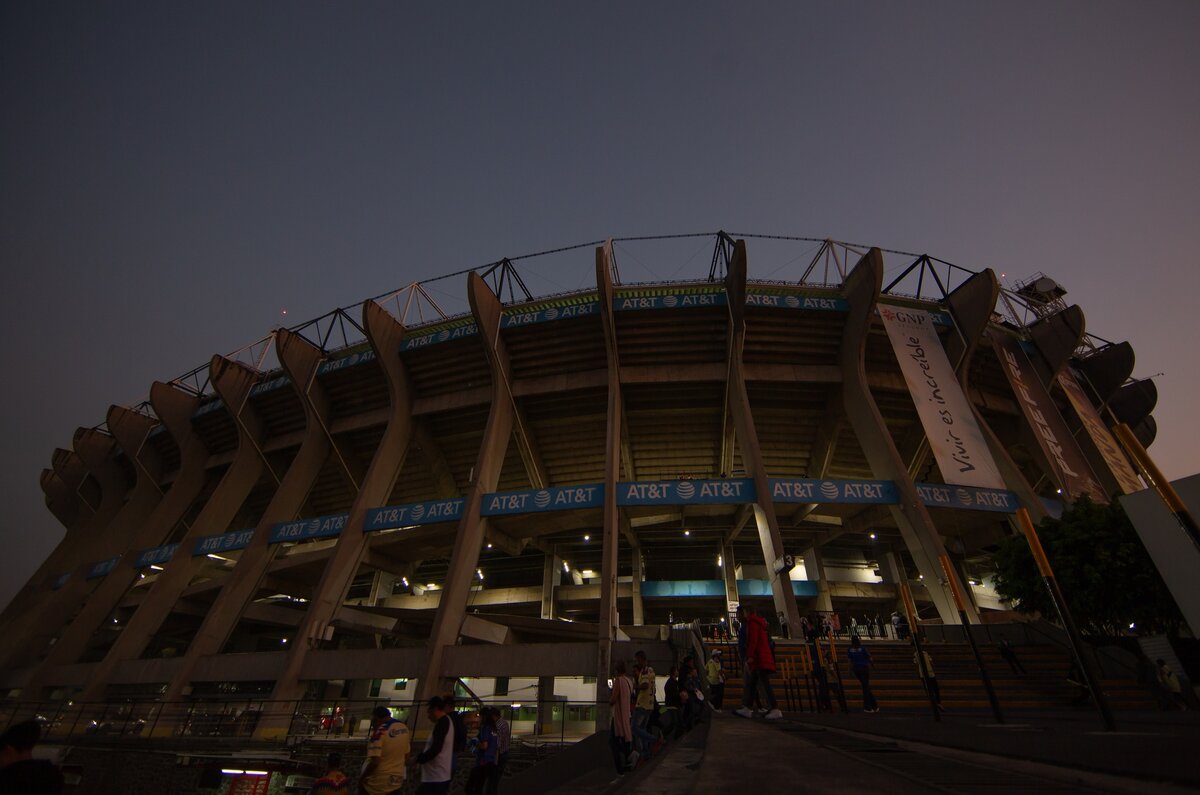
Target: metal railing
x=217 y=720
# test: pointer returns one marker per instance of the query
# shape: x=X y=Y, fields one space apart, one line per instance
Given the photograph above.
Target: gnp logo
x=916 y=318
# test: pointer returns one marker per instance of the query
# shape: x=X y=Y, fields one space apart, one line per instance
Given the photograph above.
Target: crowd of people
x=640 y=724
x=391 y=758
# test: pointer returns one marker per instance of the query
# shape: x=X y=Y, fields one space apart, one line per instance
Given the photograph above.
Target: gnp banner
x=1099 y=432
x=954 y=435
x=1070 y=468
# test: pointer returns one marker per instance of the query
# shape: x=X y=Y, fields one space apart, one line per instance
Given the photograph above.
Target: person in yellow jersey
x=715 y=671
x=387 y=754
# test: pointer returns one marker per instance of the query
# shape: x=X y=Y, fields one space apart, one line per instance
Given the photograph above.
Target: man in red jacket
x=760 y=664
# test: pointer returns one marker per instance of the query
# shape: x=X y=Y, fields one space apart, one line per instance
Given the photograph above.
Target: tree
x=1105 y=573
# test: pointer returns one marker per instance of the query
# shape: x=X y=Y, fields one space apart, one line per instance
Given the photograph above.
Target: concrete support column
x=892 y=571
x=233 y=382
x=639 y=610
x=769 y=535
x=175 y=408
x=64 y=484
x=386 y=337
x=301 y=360
x=971 y=306
x=488 y=463
x=545 y=695
x=551 y=577
x=729 y=574
x=66 y=509
x=814 y=567
x=609 y=622
x=91 y=465
x=862 y=289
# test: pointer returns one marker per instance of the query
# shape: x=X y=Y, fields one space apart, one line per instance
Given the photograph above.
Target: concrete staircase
x=897 y=686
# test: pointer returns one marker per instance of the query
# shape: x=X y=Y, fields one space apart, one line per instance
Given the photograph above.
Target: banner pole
x=1157 y=481
x=1088 y=670
x=959 y=601
x=914 y=633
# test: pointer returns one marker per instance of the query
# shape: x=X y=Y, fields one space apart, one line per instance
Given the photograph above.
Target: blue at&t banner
x=686 y=492
x=413 y=513
x=422 y=339
x=303 y=529
x=796 y=301
x=103 y=567
x=362 y=357
x=225 y=542
x=544 y=314
x=805 y=490
x=155 y=556
x=667 y=299
x=937 y=495
x=565 y=498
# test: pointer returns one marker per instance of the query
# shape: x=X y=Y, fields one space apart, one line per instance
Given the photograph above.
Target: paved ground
x=908 y=754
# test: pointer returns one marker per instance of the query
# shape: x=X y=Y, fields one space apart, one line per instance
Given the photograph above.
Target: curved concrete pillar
x=64 y=506
x=232 y=382
x=1146 y=431
x=452 y=606
x=609 y=619
x=1056 y=338
x=386 y=337
x=1134 y=402
x=1108 y=368
x=300 y=360
x=174 y=408
x=971 y=306
x=99 y=537
x=97 y=450
x=920 y=535
x=769 y=535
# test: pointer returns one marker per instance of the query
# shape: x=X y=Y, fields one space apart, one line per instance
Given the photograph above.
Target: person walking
x=646 y=683
x=1170 y=682
x=487 y=752
x=929 y=678
x=669 y=717
x=1009 y=655
x=460 y=727
x=860 y=663
x=388 y=745
x=620 y=699
x=435 y=760
x=760 y=664
x=503 y=740
x=716 y=680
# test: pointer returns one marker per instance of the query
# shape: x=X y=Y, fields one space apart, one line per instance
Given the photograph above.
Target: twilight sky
x=173 y=175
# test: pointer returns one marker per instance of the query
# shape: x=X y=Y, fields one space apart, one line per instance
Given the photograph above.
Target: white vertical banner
x=954 y=436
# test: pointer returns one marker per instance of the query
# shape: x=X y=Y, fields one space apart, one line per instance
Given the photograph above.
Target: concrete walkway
x=1147 y=747
x=907 y=754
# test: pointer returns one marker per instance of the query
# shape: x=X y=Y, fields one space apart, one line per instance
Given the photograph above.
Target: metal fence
x=226 y=719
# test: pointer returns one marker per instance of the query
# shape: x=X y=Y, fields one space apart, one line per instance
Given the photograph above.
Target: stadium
x=394 y=497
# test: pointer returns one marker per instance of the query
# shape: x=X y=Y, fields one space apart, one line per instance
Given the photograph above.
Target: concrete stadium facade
x=529 y=489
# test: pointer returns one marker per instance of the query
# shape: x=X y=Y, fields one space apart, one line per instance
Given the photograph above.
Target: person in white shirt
x=435 y=760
